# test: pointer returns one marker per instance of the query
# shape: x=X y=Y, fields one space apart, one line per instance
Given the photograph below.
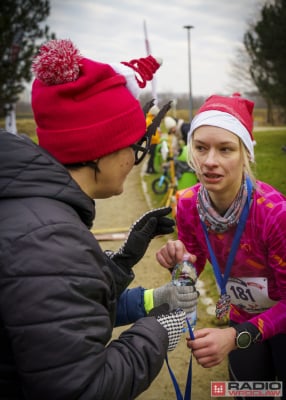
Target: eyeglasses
x=142 y=147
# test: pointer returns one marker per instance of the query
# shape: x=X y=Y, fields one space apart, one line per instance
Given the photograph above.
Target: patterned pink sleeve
x=273 y=321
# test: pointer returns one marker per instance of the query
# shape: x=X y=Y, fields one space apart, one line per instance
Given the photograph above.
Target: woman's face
x=114 y=169
x=219 y=162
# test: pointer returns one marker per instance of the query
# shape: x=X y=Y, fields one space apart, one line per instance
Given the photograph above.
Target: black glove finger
x=157 y=213
x=161 y=212
x=150 y=228
x=165 y=225
x=162 y=309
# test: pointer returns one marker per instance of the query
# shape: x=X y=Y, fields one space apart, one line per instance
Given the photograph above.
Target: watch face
x=243 y=340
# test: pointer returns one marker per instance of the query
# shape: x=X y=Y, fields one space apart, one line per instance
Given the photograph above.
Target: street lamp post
x=189 y=27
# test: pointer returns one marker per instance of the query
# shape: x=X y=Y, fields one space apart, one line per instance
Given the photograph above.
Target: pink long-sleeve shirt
x=257 y=283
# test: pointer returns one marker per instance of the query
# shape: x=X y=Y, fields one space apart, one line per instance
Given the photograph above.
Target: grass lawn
x=270 y=159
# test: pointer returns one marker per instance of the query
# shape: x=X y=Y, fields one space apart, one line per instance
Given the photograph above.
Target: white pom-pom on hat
x=58 y=62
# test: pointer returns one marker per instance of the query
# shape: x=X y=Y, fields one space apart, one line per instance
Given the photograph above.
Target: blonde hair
x=248 y=168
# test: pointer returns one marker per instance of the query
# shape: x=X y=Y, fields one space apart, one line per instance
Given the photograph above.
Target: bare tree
x=265 y=43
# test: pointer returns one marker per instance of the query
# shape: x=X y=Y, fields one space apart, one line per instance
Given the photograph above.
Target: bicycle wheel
x=159 y=186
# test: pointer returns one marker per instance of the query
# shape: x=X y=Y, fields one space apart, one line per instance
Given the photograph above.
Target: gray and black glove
x=172 y=321
x=151 y=224
x=184 y=297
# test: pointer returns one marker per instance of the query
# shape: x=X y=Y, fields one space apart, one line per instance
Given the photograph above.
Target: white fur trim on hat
x=129 y=74
x=225 y=121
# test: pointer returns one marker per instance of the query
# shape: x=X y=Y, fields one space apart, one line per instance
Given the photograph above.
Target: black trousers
x=150 y=165
x=260 y=362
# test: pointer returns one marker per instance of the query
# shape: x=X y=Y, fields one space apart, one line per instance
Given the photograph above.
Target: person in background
x=171 y=137
x=178 y=127
x=155 y=139
x=59 y=292
x=185 y=175
x=238 y=224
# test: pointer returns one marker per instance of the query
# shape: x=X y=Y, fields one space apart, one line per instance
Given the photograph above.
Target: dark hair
x=91 y=164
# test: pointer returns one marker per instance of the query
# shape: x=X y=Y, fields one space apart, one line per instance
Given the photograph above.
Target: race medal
x=222 y=306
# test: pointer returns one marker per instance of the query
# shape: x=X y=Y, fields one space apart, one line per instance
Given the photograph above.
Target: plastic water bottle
x=185 y=274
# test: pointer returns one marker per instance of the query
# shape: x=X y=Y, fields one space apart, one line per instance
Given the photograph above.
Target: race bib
x=249 y=294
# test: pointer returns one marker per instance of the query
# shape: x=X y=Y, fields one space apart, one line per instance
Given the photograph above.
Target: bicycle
x=160 y=185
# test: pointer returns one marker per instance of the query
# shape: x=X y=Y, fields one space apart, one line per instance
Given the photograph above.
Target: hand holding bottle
x=173 y=252
x=185 y=274
x=184 y=297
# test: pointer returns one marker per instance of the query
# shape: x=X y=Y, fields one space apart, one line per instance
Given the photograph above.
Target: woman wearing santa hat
x=238 y=224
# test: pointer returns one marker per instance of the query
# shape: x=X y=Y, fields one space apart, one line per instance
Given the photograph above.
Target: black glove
x=151 y=224
x=172 y=321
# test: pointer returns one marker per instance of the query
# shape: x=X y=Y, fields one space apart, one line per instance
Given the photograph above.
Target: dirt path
x=122 y=211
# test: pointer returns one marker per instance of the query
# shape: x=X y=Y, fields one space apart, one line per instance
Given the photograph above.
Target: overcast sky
x=112 y=31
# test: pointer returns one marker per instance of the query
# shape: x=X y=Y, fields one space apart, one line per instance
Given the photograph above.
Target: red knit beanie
x=232 y=113
x=84 y=109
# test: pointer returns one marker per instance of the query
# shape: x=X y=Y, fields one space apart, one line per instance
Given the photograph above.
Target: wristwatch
x=243 y=339
x=246 y=334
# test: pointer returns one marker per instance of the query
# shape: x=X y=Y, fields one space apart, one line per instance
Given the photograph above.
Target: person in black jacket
x=58 y=290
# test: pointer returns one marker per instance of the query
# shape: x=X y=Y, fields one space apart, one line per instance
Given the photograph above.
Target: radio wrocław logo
x=246 y=389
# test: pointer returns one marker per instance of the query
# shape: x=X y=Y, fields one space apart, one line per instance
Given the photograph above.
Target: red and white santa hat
x=85 y=109
x=233 y=113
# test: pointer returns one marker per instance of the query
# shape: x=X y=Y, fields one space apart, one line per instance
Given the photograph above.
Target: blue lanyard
x=222 y=279
x=188 y=389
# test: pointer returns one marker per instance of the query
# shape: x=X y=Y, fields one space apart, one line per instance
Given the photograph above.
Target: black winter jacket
x=58 y=291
